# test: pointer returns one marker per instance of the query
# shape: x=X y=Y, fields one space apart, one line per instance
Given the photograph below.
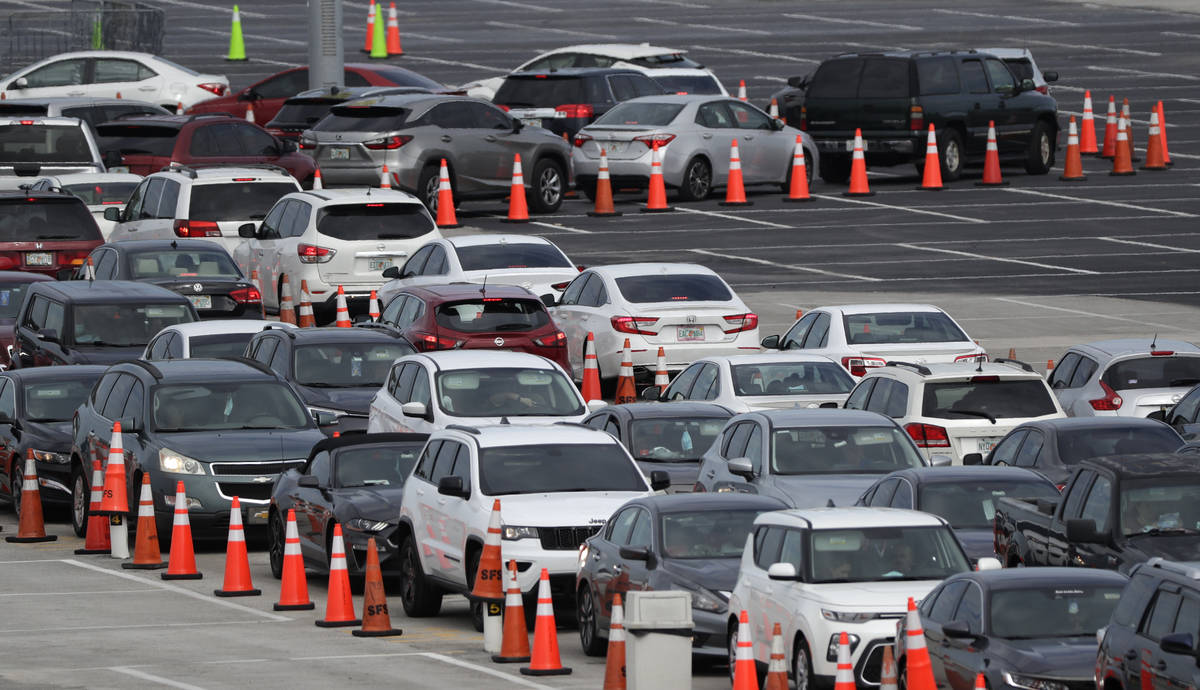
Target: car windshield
x=146 y=140
x=492 y=314
x=507 y=393
x=791 y=378
x=1075 y=445
x=646 y=114
x=1161 y=505
x=234 y=201
x=555 y=467
x=697 y=84
x=1062 y=611
x=841 y=450
x=227 y=406
x=383 y=465
x=47 y=218
x=482 y=257
x=347 y=364
x=362 y=118
x=56 y=401
x=972 y=505
x=987 y=397
x=106 y=193
x=673 y=288
x=220 y=345
x=374 y=221
x=707 y=534
x=42 y=143
x=895 y=327
x=1153 y=372
x=883 y=553
x=11 y=295
x=672 y=439
x=182 y=263
x=125 y=324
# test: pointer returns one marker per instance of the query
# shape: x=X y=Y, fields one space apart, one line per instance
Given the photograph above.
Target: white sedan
x=105 y=73
x=744 y=383
x=98 y=190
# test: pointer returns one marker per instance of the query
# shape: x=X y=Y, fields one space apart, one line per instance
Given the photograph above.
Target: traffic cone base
x=377 y=622
x=183 y=576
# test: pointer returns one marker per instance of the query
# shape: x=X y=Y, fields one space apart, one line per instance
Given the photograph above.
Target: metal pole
x=325 y=61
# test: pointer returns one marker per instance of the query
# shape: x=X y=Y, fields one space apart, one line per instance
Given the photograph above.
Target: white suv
x=202 y=202
x=557 y=486
x=824 y=571
x=956 y=409
x=333 y=237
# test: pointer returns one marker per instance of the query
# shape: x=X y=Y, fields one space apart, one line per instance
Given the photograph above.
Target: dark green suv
x=894 y=97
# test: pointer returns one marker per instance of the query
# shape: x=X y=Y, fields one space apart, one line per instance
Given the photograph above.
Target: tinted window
x=96 y=193
x=542 y=91
x=706 y=385
x=903 y=497
x=1075 y=445
x=714 y=115
x=841 y=450
x=492 y=314
x=640 y=536
x=901 y=327
x=127 y=324
x=507 y=392
x=1162 y=616
x=436 y=265
x=1027 y=456
x=999 y=74
x=748 y=117
x=947 y=602
x=972 y=74
x=374 y=221
x=138 y=139
x=858 y=397
x=791 y=378
x=698 y=84
x=492 y=256
x=1063 y=372
x=707 y=534
x=979 y=398
x=819 y=333
x=766 y=551
x=1020 y=67
x=1162 y=505
x=1083 y=372
x=116 y=399
x=347 y=364
x=836 y=79
x=287 y=84
x=970 y=609
x=973 y=505
x=56 y=401
x=235 y=200
x=1068 y=611
x=640 y=113
x=153 y=195
x=1077 y=494
x=620 y=528
x=938 y=76
x=109 y=71
x=482 y=116
x=670 y=439
x=1098 y=503
x=683 y=383
x=170 y=263
x=673 y=288
x=221 y=345
x=351 y=118
x=40 y=143
x=227 y=406
x=884 y=79
x=1006 y=451
x=550 y=468
x=883 y=493
x=303 y=112
x=1153 y=372
x=735 y=446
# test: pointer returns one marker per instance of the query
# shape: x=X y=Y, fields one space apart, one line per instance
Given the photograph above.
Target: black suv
x=335 y=370
x=93 y=322
x=1154 y=635
x=224 y=427
x=566 y=100
x=894 y=97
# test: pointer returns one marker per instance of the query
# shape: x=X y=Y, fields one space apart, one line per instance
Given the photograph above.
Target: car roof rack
x=1011 y=361
x=192 y=169
x=463 y=427
x=1189 y=571
x=289 y=329
x=150 y=368
x=919 y=368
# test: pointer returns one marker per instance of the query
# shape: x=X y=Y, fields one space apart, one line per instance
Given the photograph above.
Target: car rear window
x=46 y=218
x=56 y=401
x=402 y=77
x=182 y=263
x=374 y=221
x=489 y=256
x=901 y=327
x=989 y=396
x=547 y=91
x=220 y=345
x=884 y=79
x=102 y=192
x=836 y=79
x=138 y=139
x=125 y=324
x=646 y=114
x=38 y=143
x=698 y=84
x=378 y=464
x=507 y=392
x=1076 y=445
x=674 y=288
x=362 y=118
x=492 y=314
x=228 y=201
x=671 y=60
x=972 y=505
x=1153 y=372
x=303 y=111
x=1021 y=68
x=791 y=378
x=347 y=364
x=11 y=295
x=937 y=76
x=11 y=109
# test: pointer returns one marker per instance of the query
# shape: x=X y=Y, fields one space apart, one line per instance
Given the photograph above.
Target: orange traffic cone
x=287 y=311
x=773 y=109
x=1049 y=367
x=662 y=378
x=799 y=313
x=1073 y=167
x=376 y=621
x=373 y=307
x=305 y=318
x=858 y=170
x=343 y=313
x=991 y=162
x=518 y=212
x=777 y=675
x=798 y=185
x=932 y=180
x=181 y=563
x=591 y=371
x=445 y=202
x=545 y=659
x=32 y=527
x=385 y=178
x=604 y=197
x=515 y=646
x=317 y=183
x=626 y=390
x=1154 y=150
x=741 y=90
x=1012 y=353
x=114 y=501
x=745 y=671
x=1087 y=132
x=888 y=677
x=393 y=32
x=919 y=670
x=844 y=679
x=339 y=604
x=178 y=107
x=237 y=561
x=1110 y=130
x=1162 y=133
x=489 y=583
x=1123 y=161
x=656 y=199
x=614 y=665
x=249 y=113
x=370 y=28
x=735 y=188
x=89 y=271
x=293 y=592
x=97 y=540
x=1127 y=115
x=146 y=553
x=262 y=306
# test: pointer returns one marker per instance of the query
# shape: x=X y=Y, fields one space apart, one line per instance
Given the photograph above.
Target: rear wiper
x=56 y=237
x=974 y=413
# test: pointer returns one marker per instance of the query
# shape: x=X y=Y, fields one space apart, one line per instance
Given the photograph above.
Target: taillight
x=575 y=110
x=857 y=366
x=559 y=339
x=971 y=359
x=9 y=260
x=928 y=435
x=741 y=322
x=560 y=286
x=73 y=257
x=1161 y=353
x=245 y=295
x=274 y=131
x=312 y=254
x=307 y=143
x=581 y=139
x=196 y=228
x=985 y=379
x=650 y=139
x=430 y=343
x=804 y=118
x=633 y=324
x=505 y=108
x=218 y=89
x=27 y=122
x=1109 y=403
x=392 y=142
x=1043 y=89
x=916 y=118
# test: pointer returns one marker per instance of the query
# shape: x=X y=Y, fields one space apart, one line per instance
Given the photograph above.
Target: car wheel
x=802 y=671
x=476 y=606
x=427 y=187
x=950 y=150
x=420 y=598
x=1040 y=156
x=549 y=184
x=697 y=181
x=275 y=541
x=835 y=169
x=80 y=498
x=589 y=629
x=732 y=637
x=16 y=479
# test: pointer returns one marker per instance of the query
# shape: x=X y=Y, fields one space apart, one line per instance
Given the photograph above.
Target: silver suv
x=1133 y=377
x=33 y=147
x=412 y=133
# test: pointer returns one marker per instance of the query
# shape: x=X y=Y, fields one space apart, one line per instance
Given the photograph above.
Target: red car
x=45 y=232
x=147 y=144
x=468 y=316
x=267 y=96
x=12 y=291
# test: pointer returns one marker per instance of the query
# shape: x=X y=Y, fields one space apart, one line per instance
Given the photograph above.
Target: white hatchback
x=743 y=383
x=106 y=73
x=213 y=339
x=100 y=191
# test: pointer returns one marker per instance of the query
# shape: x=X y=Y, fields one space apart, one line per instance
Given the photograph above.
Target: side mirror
x=1027 y=85
x=414 y=409
x=517 y=125
x=1083 y=531
x=308 y=481
x=973 y=459
x=635 y=553
x=777 y=124
x=112 y=213
x=246 y=230
x=741 y=467
x=988 y=563
x=20 y=83
x=782 y=571
x=549 y=300
x=941 y=461
x=829 y=405
x=392 y=272
x=771 y=342
x=593 y=405
x=660 y=480
x=957 y=630
x=800 y=82
x=1050 y=76
x=452 y=486
x=1159 y=414
x=48 y=334
x=1178 y=643
x=323 y=418
x=248 y=95
x=288 y=146
x=651 y=393
x=130 y=425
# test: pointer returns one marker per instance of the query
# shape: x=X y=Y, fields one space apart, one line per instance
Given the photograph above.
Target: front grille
x=245 y=492
x=565 y=538
x=254 y=468
x=870 y=664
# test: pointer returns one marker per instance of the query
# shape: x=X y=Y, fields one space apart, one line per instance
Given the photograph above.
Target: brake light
x=218 y=89
x=1161 y=353
x=575 y=110
x=27 y=122
x=804 y=118
x=8 y=262
x=857 y=366
x=312 y=254
x=389 y=143
x=581 y=139
x=927 y=435
x=246 y=295
x=306 y=143
x=984 y=379
x=741 y=322
x=430 y=343
x=1043 y=89
x=971 y=359
x=1109 y=403
x=916 y=118
x=196 y=228
x=275 y=131
x=650 y=139
x=244 y=179
x=560 y=286
x=375 y=205
x=634 y=324
x=559 y=339
x=1061 y=486
x=493 y=299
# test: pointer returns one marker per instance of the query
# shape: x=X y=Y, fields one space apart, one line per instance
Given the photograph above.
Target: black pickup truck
x=1114 y=512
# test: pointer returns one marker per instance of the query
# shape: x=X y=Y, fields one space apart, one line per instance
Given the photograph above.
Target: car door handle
x=75 y=93
x=747 y=137
x=446 y=137
x=489 y=138
x=147 y=88
x=706 y=136
x=1161 y=665
x=978 y=107
x=1132 y=655
x=420 y=492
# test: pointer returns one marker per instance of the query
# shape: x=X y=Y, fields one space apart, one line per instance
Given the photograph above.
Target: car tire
x=549 y=185
x=950 y=154
x=589 y=630
x=696 y=184
x=16 y=478
x=275 y=542
x=835 y=169
x=473 y=556
x=808 y=173
x=802 y=671
x=427 y=187
x=420 y=598
x=1039 y=157
x=81 y=498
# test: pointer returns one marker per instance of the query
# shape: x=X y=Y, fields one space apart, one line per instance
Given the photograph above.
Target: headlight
x=178 y=463
x=192 y=503
x=365 y=525
x=51 y=456
x=336 y=413
x=848 y=616
x=1032 y=683
x=511 y=533
x=705 y=600
x=728 y=488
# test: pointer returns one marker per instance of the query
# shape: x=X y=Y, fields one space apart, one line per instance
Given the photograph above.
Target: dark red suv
x=45 y=232
x=475 y=317
x=148 y=144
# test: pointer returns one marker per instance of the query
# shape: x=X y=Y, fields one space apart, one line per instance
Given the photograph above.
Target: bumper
x=710 y=637
x=385 y=545
x=346 y=423
x=629 y=172
x=865 y=657
x=531 y=558
x=54 y=481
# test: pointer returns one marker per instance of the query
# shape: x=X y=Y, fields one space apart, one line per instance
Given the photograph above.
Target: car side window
x=135 y=404
x=768 y=542
x=8 y=398
x=280 y=359
x=269 y=229
x=1006 y=451
x=444 y=462
x=622 y=87
x=1161 y=619
x=265 y=348
x=103 y=387
x=425 y=464
x=883 y=493
x=298 y=222
x=1098 y=503
x=970 y=610
x=999 y=74
x=1064 y=372
x=462 y=466
x=1185 y=411
x=972 y=74
x=55 y=316
x=108 y=71
x=284 y=85
x=174 y=346
x=319 y=468
x=416 y=262
x=792 y=550
x=612 y=428
x=679 y=388
x=858 y=396
x=255 y=142
x=150 y=202
x=596 y=421
x=706 y=387
x=1078 y=491
x=1083 y=372
x=590 y=295
x=714 y=115
x=105 y=264
x=1188 y=620
x=795 y=335
x=1027 y=456
x=35 y=316
x=897 y=402
x=645 y=86
x=450 y=115
x=155 y=349
x=879 y=396
x=116 y=399
x=947 y=602
x=392 y=312
x=404 y=382
x=133 y=207
x=754 y=449
x=735 y=443
x=748 y=117
x=903 y=498
x=413 y=309
x=436 y=265
x=818 y=335
x=620 y=526
x=640 y=536
x=571 y=294
x=928 y=602
x=484 y=116
x=287 y=220
x=61 y=73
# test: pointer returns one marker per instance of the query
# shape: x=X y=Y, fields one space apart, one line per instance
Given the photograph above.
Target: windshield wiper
x=1159 y=531
x=974 y=413
x=318 y=384
x=103 y=343
x=254 y=426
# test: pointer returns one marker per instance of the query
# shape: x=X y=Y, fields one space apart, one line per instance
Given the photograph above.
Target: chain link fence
x=27 y=36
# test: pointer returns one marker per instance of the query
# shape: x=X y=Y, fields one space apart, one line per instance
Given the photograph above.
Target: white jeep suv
x=820 y=572
x=557 y=486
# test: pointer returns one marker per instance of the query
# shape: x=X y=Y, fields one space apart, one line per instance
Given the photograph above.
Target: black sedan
x=1020 y=628
x=200 y=270
x=965 y=496
x=355 y=480
x=664 y=437
x=692 y=542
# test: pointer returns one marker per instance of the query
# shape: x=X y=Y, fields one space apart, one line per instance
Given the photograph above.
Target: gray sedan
x=694 y=134
x=411 y=133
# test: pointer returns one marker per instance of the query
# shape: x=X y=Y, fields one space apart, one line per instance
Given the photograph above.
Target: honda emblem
x=691 y=318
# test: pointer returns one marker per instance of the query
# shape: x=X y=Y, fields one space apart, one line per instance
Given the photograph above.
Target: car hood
x=52 y=436
x=246 y=445
x=815 y=491
x=372 y=502
x=354 y=400
x=1066 y=658
x=717 y=574
x=565 y=509
x=977 y=542
x=880 y=595
x=1173 y=547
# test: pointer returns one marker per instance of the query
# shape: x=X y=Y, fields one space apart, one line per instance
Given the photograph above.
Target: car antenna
x=1154 y=343
x=829 y=504
x=174 y=244
x=979 y=365
x=504 y=420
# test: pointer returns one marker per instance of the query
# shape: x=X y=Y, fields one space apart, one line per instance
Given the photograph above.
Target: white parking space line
x=790 y=267
x=36 y=6
x=676 y=3
x=558 y=226
x=515 y=680
x=274 y=62
x=427 y=37
x=852 y=200
x=1101 y=202
x=440 y=61
x=1010 y=17
x=152 y=678
x=1089 y=314
x=565 y=32
x=1102 y=49
x=730 y=216
x=1180 y=35
x=1152 y=245
x=256 y=37
x=855 y=22
x=1141 y=73
x=522 y=5
x=755 y=53
x=985 y=257
x=89 y=593
x=710 y=27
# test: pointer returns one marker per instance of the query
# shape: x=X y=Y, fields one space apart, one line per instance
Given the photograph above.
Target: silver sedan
x=694 y=133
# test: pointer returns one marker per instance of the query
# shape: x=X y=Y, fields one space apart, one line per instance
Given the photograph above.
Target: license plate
x=614 y=146
x=200 y=301
x=379 y=264
x=985 y=445
x=690 y=333
x=531 y=121
x=39 y=259
x=850 y=145
x=339 y=153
